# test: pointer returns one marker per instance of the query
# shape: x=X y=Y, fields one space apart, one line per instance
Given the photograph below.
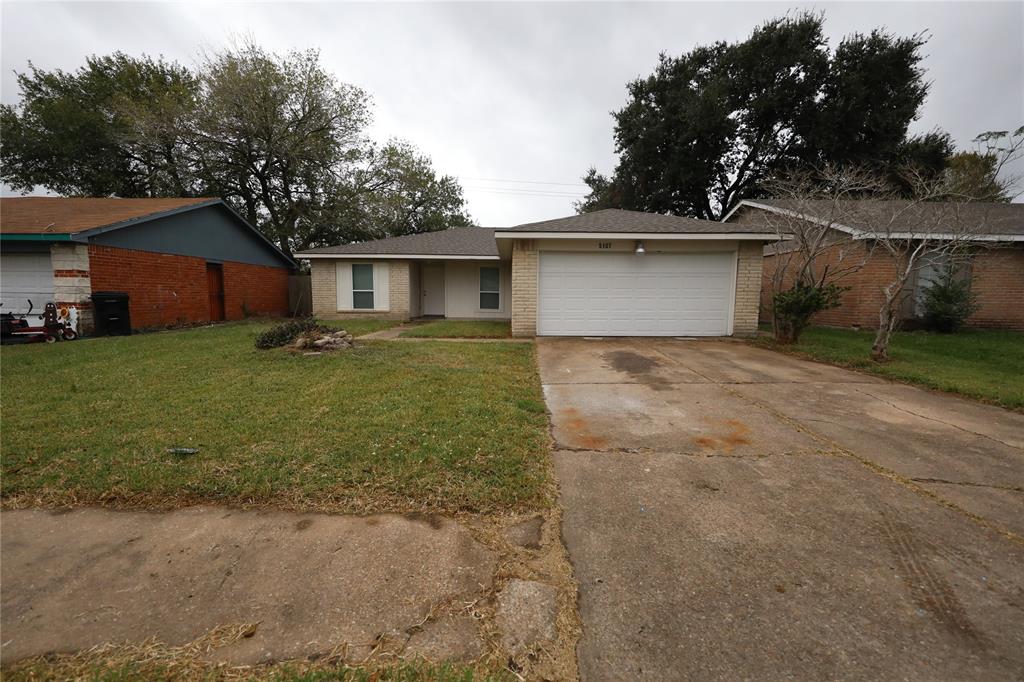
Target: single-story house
x=181 y=261
x=606 y=273
x=996 y=265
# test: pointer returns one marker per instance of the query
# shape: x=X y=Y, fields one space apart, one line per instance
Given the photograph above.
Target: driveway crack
x=1008 y=488
x=933 y=419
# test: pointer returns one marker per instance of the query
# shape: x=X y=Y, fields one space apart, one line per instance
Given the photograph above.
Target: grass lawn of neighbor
x=461 y=329
x=983 y=364
x=383 y=427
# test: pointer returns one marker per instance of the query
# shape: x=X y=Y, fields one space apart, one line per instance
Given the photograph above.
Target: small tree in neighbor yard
x=932 y=225
x=814 y=255
x=948 y=300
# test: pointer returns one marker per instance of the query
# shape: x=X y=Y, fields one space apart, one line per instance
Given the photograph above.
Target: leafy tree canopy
x=707 y=128
x=276 y=136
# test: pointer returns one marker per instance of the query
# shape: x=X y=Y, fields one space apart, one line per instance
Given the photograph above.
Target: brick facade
x=524 y=287
x=168 y=290
x=748 y=288
x=71 y=281
x=998 y=282
x=324 y=284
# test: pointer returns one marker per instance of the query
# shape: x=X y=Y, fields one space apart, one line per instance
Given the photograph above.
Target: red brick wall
x=254 y=289
x=998 y=282
x=167 y=290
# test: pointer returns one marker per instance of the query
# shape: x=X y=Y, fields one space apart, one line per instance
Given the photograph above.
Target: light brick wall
x=524 y=287
x=323 y=279
x=324 y=283
x=72 y=285
x=748 y=288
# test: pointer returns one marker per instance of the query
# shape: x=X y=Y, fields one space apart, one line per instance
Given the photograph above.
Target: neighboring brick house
x=181 y=261
x=996 y=266
x=606 y=273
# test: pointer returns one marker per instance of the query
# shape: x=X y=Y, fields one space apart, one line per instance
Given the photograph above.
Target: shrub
x=286 y=332
x=792 y=309
x=948 y=302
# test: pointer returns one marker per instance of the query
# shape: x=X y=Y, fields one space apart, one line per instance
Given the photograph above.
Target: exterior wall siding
x=167 y=290
x=999 y=285
x=524 y=287
x=324 y=283
x=748 y=288
x=254 y=290
x=998 y=282
x=72 y=282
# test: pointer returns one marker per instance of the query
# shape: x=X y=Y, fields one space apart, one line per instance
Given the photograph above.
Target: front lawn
x=387 y=426
x=461 y=329
x=984 y=364
x=360 y=327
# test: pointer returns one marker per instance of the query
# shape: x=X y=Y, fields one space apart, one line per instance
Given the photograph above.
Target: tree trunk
x=886 y=323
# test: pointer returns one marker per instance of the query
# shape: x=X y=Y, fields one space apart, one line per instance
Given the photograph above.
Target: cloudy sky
x=514 y=98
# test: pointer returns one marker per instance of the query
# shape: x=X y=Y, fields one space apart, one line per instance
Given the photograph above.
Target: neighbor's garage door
x=25 y=276
x=605 y=294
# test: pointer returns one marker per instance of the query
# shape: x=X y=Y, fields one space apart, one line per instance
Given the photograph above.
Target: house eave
x=692 y=236
x=391 y=256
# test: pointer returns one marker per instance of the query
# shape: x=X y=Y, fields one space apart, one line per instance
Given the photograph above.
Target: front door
x=215 y=285
x=433 y=289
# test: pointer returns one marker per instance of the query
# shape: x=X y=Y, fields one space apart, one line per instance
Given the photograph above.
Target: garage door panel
x=24 y=277
x=633 y=294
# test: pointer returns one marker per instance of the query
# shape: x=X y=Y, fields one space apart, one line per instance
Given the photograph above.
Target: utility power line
x=529 y=182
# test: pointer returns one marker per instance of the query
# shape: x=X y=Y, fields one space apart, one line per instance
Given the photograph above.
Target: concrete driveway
x=731 y=512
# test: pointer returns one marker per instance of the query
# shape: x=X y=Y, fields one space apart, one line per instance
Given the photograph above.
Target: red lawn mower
x=15 y=328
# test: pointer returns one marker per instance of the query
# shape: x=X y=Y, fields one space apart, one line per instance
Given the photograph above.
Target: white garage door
x=626 y=294
x=25 y=276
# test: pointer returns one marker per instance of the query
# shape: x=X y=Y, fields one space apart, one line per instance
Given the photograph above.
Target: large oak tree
x=276 y=136
x=708 y=127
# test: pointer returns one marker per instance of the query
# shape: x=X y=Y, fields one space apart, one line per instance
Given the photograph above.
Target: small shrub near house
x=286 y=332
x=948 y=302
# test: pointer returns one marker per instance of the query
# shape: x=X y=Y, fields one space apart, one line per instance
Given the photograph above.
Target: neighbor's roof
x=903 y=218
x=466 y=242
x=616 y=220
x=62 y=215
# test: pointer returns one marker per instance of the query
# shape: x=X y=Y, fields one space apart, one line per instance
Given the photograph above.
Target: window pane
x=488 y=279
x=362 y=277
x=488 y=301
x=362 y=299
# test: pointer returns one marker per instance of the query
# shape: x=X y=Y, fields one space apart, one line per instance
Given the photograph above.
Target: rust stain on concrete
x=734 y=434
x=580 y=431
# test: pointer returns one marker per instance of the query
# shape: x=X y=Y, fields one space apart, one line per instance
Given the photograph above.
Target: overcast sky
x=514 y=98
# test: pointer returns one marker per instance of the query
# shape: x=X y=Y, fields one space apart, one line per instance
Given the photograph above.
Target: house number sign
x=604 y=245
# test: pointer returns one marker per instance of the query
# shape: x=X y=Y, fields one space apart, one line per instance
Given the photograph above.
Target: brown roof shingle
x=63 y=215
x=455 y=241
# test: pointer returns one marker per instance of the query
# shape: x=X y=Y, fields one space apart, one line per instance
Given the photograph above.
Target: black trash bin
x=111 y=310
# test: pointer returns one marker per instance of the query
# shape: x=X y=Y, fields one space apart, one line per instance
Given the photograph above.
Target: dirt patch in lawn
x=178 y=595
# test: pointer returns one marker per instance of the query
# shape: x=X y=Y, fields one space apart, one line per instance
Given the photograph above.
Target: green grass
x=461 y=329
x=983 y=364
x=386 y=426
x=360 y=327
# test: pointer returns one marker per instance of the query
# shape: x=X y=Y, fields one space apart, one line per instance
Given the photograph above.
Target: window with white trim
x=362 y=286
x=490 y=295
